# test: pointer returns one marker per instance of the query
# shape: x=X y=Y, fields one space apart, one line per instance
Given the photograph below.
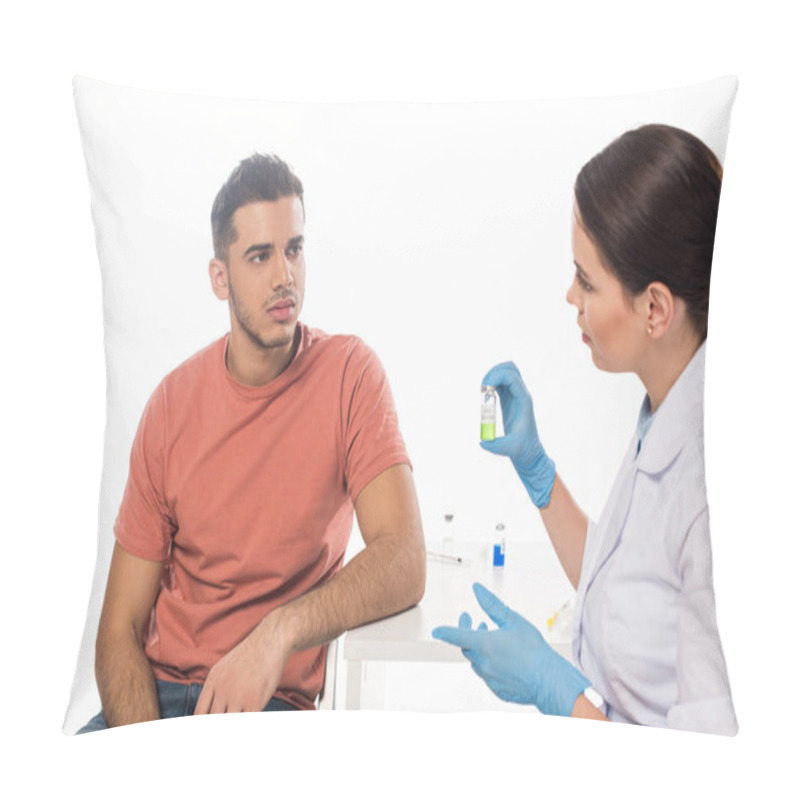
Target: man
x=249 y=460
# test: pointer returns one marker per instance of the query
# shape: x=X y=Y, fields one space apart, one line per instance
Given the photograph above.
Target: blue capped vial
x=499 y=554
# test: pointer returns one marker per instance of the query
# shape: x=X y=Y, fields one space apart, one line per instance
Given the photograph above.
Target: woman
x=645 y=641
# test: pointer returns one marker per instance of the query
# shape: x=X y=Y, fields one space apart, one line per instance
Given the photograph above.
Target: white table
x=531 y=582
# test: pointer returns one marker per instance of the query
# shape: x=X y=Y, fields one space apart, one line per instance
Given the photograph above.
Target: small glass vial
x=448 y=535
x=499 y=554
x=488 y=413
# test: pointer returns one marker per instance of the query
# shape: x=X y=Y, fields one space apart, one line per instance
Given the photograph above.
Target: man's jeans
x=178 y=700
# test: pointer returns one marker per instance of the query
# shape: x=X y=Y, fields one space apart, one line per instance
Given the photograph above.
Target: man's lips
x=280 y=305
x=282 y=310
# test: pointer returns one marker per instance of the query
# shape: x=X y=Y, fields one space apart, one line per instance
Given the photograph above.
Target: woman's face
x=613 y=326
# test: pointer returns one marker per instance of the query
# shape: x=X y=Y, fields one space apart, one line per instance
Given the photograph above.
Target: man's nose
x=282 y=275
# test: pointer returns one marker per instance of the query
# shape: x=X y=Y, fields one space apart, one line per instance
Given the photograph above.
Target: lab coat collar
x=678 y=419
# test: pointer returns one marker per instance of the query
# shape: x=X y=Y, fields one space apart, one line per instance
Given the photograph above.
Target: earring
x=649 y=330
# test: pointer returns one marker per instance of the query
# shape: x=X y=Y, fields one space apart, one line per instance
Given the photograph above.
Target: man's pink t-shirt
x=246 y=493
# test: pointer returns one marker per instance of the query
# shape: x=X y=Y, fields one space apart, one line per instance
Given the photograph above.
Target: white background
x=53 y=388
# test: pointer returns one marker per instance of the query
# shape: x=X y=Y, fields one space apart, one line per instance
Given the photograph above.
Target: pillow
x=438 y=233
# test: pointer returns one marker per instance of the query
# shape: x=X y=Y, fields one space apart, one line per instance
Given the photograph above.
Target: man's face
x=266 y=271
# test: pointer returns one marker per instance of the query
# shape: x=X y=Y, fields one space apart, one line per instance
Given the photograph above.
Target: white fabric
x=645 y=622
x=417 y=197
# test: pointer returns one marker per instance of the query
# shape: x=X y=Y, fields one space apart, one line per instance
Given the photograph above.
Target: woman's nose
x=571 y=294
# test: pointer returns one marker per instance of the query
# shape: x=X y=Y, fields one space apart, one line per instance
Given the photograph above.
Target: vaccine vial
x=488 y=413
x=448 y=535
x=499 y=555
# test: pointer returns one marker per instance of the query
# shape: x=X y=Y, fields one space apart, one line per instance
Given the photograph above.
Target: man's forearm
x=125 y=679
x=386 y=577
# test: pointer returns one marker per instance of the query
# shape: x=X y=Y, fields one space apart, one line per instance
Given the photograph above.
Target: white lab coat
x=645 y=631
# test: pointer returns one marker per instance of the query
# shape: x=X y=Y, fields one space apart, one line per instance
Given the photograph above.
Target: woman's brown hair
x=649 y=203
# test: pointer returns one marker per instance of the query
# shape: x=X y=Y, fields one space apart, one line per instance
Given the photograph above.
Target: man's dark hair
x=262 y=177
x=649 y=203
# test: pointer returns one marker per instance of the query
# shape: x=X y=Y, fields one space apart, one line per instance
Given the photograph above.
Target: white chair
x=327 y=696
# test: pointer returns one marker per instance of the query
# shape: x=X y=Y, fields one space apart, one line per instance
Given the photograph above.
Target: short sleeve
x=371 y=432
x=143 y=527
x=704 y=697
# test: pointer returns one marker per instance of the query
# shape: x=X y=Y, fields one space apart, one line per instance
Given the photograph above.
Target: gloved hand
x=514 y=660
x=521 y=440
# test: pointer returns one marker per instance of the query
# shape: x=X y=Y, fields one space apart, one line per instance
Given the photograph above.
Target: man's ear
x=218 y=272
x=660 y=309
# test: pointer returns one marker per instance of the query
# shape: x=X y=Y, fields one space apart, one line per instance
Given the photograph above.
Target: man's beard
x=246 y=323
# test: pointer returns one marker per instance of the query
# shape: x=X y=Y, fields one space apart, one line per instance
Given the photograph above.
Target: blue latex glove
x=521 y=440
x=514 y=660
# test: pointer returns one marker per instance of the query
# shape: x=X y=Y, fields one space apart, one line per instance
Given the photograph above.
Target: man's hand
x=246 y=678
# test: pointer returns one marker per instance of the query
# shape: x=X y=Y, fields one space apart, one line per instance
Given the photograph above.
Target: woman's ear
x=660 y=309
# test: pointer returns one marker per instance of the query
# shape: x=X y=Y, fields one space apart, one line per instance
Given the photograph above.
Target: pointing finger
x=496 y=609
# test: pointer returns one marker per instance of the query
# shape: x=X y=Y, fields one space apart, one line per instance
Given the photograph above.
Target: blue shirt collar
x=678 y=419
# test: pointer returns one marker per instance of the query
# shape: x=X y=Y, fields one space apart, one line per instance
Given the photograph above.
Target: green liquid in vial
x=487 y=431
